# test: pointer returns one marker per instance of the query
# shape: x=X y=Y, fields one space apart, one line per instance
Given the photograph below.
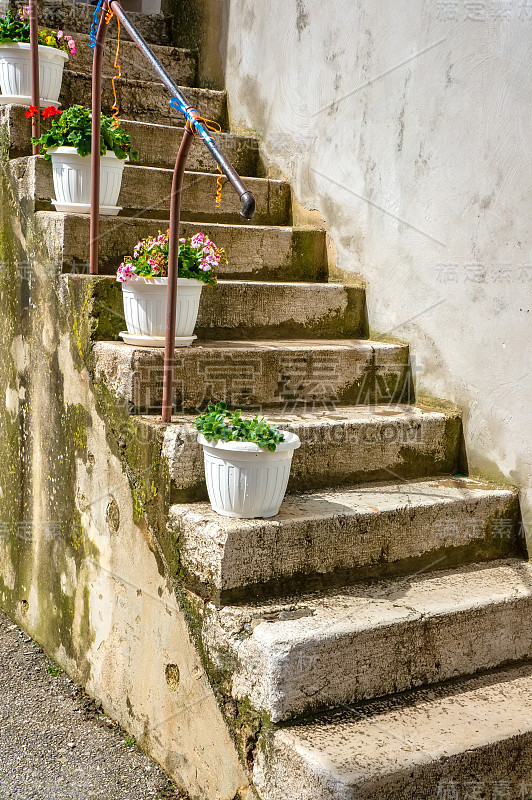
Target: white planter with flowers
x=72 y=181
x=67 y=144
x=15 y=60
x=15 y=73
x=145 y=286
x=246 y=478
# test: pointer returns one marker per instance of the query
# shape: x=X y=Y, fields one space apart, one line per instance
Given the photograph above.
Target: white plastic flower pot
x=145 y=309
x=72 y=181
x=15 y=73
x=245 y=480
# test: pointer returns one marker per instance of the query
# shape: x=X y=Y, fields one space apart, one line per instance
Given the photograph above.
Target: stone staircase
x=376 y=633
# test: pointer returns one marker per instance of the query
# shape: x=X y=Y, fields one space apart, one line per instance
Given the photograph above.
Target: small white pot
x=72 y=180
x=244 y=480
x=15 y=73
x=145 y=306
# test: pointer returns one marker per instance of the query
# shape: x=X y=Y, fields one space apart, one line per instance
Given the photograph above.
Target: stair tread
x=383 y=603
x=365 y=500
x=321 y=649
x=266 y=345
x=355 y=749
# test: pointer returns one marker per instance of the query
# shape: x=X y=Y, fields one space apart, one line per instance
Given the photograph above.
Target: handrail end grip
x=248 y=205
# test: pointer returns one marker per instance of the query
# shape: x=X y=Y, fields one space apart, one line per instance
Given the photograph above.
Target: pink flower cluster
x=209 y=259
x=125 y=271
x=71 y=44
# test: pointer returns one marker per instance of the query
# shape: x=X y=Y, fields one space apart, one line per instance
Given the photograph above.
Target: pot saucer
x=23 y=100
x=154 y=341
x=84 y=208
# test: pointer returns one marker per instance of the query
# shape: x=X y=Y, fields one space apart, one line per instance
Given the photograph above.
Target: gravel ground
x=55 y=744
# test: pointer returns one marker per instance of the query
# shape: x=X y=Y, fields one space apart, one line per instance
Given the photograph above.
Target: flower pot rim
x=66 y=150
x=42 y=48
x=291 y=442
x=158 y=281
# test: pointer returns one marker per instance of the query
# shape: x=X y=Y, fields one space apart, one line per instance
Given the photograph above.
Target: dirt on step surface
x=55 y=744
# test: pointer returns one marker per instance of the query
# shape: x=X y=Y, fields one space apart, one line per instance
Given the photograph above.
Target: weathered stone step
x=246 y=309
x=259 y=374
x=157 y=144
x=71 y=15
x=377 y=443
x=146 y=192
x=462 y=740
x=334 y=537
x=146 y=101
x=180 y=64
x=324 y=650
x=253 y=251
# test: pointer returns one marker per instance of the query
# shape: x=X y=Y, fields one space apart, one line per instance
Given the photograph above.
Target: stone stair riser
x=77 y=16
x=258 y=377
x=238 y=310
x=180 y=64
x=145 y=101
x=254 y=253
x=157 y=145
x=146 y=192
x=366 y=648
x=325 y=540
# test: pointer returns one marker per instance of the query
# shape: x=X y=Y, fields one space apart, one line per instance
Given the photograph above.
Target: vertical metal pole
x=34 y=64
x=95 y=144
x=173 y=257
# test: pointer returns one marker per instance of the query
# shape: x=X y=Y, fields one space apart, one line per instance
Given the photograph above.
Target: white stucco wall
x=407 y=125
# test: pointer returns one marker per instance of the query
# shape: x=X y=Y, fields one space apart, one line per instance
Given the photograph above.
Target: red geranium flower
x=50 y=111
x=33 y=112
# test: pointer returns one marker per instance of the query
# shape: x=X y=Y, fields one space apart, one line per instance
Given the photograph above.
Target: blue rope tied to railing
x=192 y=116
x=94 y=24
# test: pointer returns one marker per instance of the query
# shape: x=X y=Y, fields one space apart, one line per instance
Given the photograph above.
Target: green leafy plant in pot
x=68 y=142
x=247 y=462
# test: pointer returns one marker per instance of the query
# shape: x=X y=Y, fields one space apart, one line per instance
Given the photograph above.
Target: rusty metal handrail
x=34 y=67
x=193 y=125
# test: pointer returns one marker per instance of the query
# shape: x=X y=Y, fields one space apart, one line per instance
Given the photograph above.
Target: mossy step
x=254 y=252
x=336 y=536
x=157 y=144
x=258 y=374
x=458 y=740
x=380 y=442
x=180 y=64
x=243 y=309
x=146 y=192
x=312 y=651
x=146 y=101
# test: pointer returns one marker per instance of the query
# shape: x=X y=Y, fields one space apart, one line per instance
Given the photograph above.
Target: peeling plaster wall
x=408 y=127
x=80 y=570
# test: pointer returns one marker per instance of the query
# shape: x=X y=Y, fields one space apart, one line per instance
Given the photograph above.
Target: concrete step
x=146 y=192
x=180 y=64
x=247 y=309
x=259 y=374
x=462 y=740
x=157 y=144
x=333 y=537
x=377 y=443
x=72 y=15
x=314 y=651
x=254 y=252
x=146 y=101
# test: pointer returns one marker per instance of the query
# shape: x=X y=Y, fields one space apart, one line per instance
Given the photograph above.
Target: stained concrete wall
x=81 y=569
x=407 y=125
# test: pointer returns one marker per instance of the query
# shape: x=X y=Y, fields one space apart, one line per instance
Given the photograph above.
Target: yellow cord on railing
x=115 y=107
x=214 y=127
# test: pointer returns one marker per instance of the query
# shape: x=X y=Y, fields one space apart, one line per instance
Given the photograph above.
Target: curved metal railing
x=194 y=124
